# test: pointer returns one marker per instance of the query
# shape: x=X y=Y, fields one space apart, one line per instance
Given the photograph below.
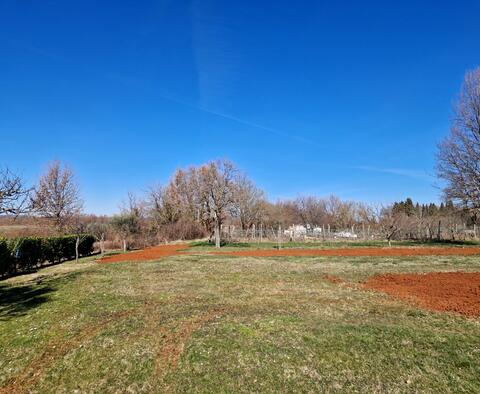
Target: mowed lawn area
x=212 y=323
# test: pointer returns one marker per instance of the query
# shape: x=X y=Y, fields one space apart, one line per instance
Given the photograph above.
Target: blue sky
x=308 y=97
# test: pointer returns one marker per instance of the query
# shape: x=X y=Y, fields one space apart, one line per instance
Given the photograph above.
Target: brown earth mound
x=457 y=292
x=356 y=252
x=145 y=254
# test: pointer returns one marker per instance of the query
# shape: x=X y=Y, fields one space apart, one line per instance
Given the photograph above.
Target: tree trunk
x=102 y=244
x=77 y=244
x=217 y=234
x=124 y=245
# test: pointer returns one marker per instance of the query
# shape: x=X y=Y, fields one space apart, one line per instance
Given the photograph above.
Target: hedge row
x=24 y=254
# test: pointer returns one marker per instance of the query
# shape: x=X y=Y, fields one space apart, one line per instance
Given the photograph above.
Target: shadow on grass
x=18 y=300
x=453 y=242
x=44 y=265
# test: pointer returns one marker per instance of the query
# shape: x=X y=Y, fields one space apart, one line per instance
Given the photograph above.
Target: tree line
x=200 y=200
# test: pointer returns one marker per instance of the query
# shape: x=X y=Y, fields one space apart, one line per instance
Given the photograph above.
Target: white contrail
x=241 y=121
x=418 y=174
x=125 y=81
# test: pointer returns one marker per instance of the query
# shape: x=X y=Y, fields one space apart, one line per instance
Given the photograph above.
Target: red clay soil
x=145 y=254
x=457 y=292
x=357 y=252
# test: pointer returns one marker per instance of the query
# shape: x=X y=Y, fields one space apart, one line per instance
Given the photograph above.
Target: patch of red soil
x=357 y=252
x=145 y=254
x=457 y=292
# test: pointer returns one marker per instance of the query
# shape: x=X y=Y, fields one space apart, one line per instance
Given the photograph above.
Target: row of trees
x=196 y=202
x=199 y=200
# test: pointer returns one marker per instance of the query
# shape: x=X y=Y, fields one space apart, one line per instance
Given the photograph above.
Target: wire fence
x=299 y=233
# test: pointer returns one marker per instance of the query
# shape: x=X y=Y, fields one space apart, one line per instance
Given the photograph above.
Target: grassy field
x=204 y=323
x=232 y=246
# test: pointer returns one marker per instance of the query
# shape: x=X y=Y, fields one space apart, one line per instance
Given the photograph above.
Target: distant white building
x=301 y=231
x=346 y=234
x=296 y=231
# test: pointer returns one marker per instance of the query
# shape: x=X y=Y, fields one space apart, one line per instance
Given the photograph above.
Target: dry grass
x=232 y=324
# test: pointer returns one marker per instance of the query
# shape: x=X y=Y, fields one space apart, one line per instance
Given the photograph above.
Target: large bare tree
x=13 y=194
x=57 y=196
x=458 y=157
x=216 y=184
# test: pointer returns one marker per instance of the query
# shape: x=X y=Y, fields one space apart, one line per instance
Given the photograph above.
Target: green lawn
x=205 y=323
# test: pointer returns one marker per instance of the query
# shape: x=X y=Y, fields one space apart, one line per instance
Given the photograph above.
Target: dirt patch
x=172 y=250
x=145 y=254
x=457 y=292
x=356 y=252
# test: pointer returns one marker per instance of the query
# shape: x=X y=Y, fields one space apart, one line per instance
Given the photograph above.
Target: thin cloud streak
x=241 y=121
x=129 y=83
x=416 y=174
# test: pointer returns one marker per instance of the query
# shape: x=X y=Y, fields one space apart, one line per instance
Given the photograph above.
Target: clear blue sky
x=308 y=97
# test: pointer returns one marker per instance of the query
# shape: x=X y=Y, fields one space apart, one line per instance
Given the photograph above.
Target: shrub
x=24 y=254
x=53 y=249
x=28 y=252
x=86 y=245
x=6 y=258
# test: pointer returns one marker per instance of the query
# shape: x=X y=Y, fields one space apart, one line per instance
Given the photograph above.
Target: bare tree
x=99 y=231
x=311 y=210
x=249 y=202
x=13 y=194
x=458 y=157
x=163 y=205
x=341 y=212
x=125 y=225
x=390 y=222
x=215 y=183
x=77 y=227
x=57 y=196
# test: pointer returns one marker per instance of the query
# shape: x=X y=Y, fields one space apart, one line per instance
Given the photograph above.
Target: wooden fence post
x=279 y=235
